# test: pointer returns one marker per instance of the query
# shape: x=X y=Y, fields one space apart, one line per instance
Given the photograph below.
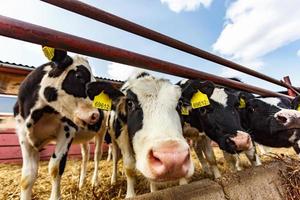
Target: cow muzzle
x=242 y=141
x=84 y=118
x=169 y=160
x=288 y=118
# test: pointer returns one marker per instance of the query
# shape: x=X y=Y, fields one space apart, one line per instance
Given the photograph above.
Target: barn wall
x=10 y=151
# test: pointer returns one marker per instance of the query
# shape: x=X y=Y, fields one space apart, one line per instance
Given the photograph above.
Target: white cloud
x=254 y=64
x=298 y=53
x=119 y=71
x=255 y=28
x=185 y=5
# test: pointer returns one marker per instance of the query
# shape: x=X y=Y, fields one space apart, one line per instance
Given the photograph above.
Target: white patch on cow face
x=158 y=99
x=219 y=95
x=183 y=81
x=271 y=100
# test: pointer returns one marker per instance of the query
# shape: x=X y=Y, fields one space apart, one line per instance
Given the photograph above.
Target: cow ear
x=96 y=88
x=244 y=97
x=193 y=86
x=206 y=87
x=58 y=56
x=197 y=93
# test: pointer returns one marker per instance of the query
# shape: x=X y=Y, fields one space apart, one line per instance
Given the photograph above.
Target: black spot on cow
x=28 y=125
x=37 y=114
x=28 y=92
x=67 y=134
x=70 y=123
x=134 y=114
x=53 y=155
x=143 y=74
x=118 y=128
x=66 y=129
x=76 y=80
x=107 y=138
x=62 y=163
x=50 y=94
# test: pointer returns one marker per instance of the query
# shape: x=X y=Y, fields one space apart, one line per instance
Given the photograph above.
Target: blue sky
x=263 y=35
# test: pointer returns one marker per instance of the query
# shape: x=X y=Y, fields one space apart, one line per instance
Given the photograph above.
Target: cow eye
x=130 y=105
x=203 y=111
x=180 y=103
x=78 y=76
x=251 y=109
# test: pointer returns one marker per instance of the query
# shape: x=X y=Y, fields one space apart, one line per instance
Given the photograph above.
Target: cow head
x=63 y=87
x=219 y=117
x=271 y=114
x=147 y=112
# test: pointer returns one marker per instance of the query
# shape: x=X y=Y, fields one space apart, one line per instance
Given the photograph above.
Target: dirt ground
x=10 y=177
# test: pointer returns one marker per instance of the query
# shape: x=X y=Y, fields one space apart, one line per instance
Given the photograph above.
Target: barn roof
x=12 y=74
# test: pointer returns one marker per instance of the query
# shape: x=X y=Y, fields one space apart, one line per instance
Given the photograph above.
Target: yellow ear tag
x=48 y=52
x=184 y=110
x=242 y=103
x=199 y=100
x=102 y=101
x=298 y=108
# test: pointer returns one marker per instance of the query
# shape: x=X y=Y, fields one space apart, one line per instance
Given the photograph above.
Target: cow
x=219 y=119
x=53 y=105
x=145 y=123
x=272 y=121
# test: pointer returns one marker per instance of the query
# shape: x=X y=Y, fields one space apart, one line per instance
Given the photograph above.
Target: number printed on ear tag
x=199 y=100
x=184 y=110
x=102 y=101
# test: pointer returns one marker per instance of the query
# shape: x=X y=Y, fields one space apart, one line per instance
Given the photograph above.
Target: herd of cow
x=148 y=120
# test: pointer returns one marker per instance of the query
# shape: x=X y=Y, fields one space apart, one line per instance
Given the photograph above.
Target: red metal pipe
x=291 y=91
x=113 y=20
x=44 y=36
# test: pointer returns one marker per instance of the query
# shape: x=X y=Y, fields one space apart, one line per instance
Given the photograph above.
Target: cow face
x=63 y=87
x=220 y=119
x=148 y=116
x=271 y=114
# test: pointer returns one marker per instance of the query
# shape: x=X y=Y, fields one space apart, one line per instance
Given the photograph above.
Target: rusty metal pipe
x=44 y=36
x=113 y=20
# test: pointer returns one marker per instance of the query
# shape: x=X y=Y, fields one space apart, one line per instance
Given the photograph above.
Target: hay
x=10 y=176
x=290 y=176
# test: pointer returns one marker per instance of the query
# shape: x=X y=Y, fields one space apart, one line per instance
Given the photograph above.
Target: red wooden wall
x=10 y=151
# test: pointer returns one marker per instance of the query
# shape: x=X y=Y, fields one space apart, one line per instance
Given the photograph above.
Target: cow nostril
x=94 y=117
x=281 y=119
x=154 y=159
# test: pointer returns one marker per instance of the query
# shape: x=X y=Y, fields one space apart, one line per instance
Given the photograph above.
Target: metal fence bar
x=44 y=36
x=113 y=20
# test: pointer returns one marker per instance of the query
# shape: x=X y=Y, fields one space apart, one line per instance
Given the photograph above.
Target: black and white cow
x=272 y=121
x=145 y=124
x=53 y=105
x=219 y=120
